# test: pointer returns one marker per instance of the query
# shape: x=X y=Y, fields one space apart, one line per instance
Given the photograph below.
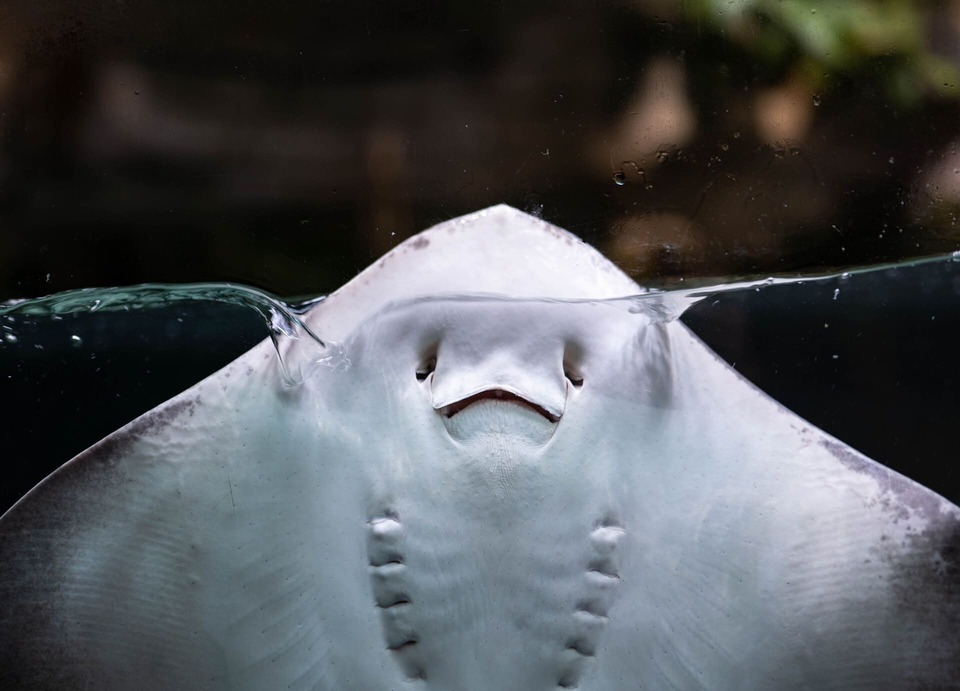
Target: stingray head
x=481 y=364
x=480 y=367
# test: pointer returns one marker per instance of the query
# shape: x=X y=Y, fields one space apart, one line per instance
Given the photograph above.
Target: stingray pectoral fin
x=764 y=553
x=201 y=546
x=98 y=580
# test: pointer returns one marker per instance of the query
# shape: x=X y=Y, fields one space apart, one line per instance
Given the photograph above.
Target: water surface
x=868 y=355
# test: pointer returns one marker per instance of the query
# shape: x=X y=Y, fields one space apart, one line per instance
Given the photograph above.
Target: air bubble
x=76 y=341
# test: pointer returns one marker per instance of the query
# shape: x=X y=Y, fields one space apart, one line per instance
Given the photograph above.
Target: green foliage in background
x=820 y=39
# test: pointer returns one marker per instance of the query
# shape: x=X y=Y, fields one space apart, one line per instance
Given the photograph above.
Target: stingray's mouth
x=500 y=396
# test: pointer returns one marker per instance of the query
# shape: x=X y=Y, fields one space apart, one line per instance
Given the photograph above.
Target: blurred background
x=285 y=145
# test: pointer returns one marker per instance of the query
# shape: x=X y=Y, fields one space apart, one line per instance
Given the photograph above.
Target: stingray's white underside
x=494 y=494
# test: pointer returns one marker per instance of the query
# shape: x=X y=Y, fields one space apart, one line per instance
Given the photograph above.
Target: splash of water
x=299 y=350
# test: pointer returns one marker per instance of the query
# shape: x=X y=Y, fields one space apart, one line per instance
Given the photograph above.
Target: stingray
x=511 y=470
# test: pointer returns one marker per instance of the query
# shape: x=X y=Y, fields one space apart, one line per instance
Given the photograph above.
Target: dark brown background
x=287 y=144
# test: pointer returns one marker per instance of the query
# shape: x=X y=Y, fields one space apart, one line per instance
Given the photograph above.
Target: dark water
x=868 y=356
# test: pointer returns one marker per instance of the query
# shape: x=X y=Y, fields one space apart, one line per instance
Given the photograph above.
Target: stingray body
x=495 y=494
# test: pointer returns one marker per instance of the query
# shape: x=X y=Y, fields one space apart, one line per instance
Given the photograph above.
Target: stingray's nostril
x=426 y=369
x=572 y=362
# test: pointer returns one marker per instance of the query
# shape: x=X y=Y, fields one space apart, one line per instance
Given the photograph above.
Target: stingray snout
x=502 y=379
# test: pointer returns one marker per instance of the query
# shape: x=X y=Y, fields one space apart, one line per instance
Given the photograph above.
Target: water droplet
x=836 y=357
x=845 y=275
x=663 y=155
x=620 y=178
x=817 y=99
x=76 y=341
x=836 y=292
x=955 y=256
x=724 y=146
x=10 y=338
